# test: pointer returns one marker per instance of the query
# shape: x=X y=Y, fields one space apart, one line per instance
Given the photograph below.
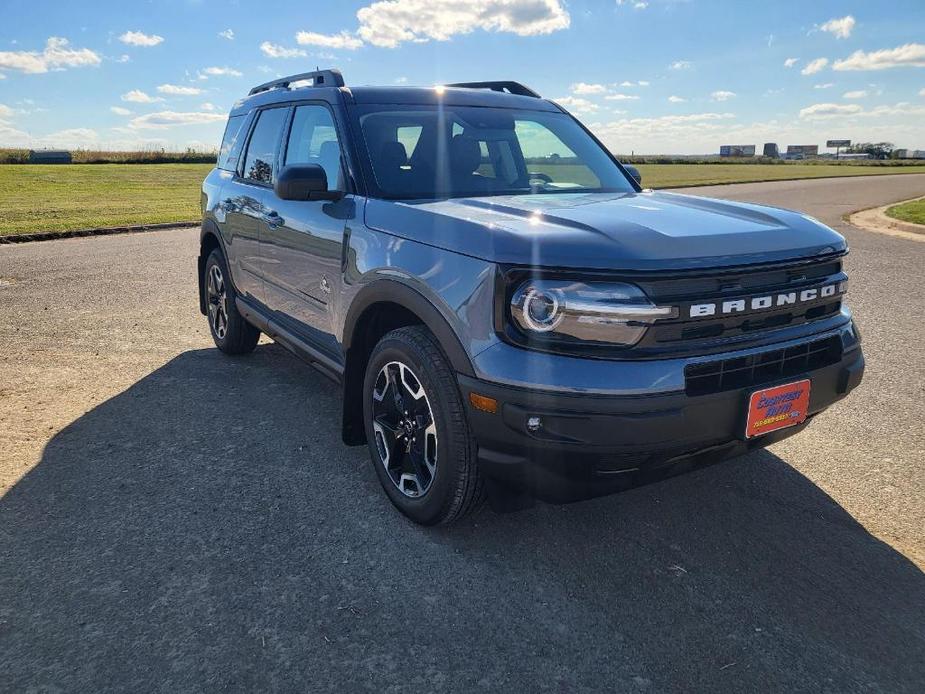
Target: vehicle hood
x=623 y=231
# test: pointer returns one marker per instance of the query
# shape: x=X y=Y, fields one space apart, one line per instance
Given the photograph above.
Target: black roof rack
x=319 y=78
x=510 y=87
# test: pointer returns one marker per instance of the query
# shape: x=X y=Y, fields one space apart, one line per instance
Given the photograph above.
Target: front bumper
x=592 y=444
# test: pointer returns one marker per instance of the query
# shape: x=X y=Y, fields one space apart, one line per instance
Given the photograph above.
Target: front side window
x=313 y=140
x=261 y=150
x=460 y=151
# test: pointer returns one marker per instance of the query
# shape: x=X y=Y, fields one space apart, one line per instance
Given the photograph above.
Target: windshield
x=463 y=151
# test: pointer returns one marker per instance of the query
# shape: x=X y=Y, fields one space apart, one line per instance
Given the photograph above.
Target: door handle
x=273 y=219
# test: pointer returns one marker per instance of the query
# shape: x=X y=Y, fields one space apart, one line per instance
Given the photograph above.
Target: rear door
x=303 y=244
x=244 y=201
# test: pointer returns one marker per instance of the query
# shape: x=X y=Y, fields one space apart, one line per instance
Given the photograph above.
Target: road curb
x=875 y=219
x=101 y=231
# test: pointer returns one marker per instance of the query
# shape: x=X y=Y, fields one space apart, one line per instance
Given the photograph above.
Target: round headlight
x=541 y=310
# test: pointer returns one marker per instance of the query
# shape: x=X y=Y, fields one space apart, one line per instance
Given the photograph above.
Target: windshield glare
x=460 y=151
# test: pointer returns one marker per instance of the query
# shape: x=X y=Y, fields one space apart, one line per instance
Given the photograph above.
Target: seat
x=465 y=159
x=389 y=166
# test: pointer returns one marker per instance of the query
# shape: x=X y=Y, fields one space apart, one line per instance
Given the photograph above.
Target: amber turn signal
x=483 y=403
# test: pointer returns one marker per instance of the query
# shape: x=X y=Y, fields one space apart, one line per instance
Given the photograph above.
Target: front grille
x=684 y=334
x=762 y=368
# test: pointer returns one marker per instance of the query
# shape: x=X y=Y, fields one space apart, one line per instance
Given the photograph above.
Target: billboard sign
x=737 y=151
x=838 y=144
x=805 y=150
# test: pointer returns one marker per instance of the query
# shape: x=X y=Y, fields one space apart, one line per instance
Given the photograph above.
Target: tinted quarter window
x=313 y=140
x=261 y=151
x=231 y=143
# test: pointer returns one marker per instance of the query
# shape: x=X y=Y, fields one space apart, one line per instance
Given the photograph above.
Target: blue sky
x=653 y=76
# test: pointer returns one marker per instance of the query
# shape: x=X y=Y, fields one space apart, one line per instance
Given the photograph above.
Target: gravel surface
x=175 y=520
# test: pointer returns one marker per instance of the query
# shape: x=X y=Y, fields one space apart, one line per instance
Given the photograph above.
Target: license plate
x=777 y=408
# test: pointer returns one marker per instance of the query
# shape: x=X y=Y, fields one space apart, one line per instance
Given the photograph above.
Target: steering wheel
x=546 y=178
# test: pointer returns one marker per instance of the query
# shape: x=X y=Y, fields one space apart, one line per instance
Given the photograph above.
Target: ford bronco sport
x=507 y=311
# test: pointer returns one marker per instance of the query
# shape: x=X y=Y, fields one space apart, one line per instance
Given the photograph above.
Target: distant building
x=909 y=154
x=771 y=150
x=49 y=156
x=805 y=150
x=737 y=151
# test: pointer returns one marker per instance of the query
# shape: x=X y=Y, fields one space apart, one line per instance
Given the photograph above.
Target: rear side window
x=231 y=143
x=261 y=150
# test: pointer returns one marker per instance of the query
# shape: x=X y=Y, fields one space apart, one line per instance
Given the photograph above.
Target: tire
x=433 y=478
x=231 y=333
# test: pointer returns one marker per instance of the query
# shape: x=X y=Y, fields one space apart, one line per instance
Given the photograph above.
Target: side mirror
x=304 y=182
x=634 y=172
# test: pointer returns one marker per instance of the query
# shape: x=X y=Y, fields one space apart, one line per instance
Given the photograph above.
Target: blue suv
x=509 y=313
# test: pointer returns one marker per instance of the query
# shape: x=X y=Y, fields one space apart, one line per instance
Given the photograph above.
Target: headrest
x=329 y=150
x=465 y=155
x=393 y=155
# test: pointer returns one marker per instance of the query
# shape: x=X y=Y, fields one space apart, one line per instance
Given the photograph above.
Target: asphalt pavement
x=172 y=519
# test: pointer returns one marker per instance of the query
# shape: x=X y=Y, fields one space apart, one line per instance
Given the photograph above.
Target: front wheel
x=417 y=429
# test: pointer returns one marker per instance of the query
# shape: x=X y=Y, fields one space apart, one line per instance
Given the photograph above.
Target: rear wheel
x=230 y=331
x=417 y=430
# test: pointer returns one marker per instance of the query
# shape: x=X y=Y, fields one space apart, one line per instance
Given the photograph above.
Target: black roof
x=327 y=86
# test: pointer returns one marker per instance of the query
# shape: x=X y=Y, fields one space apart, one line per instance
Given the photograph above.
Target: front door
x=303 y=241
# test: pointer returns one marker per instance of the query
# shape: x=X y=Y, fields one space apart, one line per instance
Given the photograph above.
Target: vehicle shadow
x=206 y=530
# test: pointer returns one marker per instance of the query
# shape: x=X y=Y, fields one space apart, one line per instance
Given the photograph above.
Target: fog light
x=534 y=424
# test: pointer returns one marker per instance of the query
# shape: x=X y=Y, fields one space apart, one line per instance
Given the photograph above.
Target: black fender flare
x=209 y=228
x=389 y=290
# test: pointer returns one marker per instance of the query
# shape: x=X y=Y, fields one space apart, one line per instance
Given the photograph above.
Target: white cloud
x=139 y=97
x=642 y=83
x=826 y=85
x=821 y=111
x=576 y=104
x=207 y=72
x=922 y=92
x=790 y=62
x=272 y=50
x=208 y=106
x=5 y=111
x=909 y=55
x=227 y=34
x=177 y=90
x=840 y=28
x=637 y=4
x=120 y=111
x=167 y=119
x=630 y=83
x=680 y=65
x=814 y=66
x=139 y=38
x=585 y=88
x=343 y=40
x=2 y=76
x=621 y=97
x=56 y=55
x=722 y=95
x=70 y=138
x=676 y=99
x=389 y=23
x=856 y=94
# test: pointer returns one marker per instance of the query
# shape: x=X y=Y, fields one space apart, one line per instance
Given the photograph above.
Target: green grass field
x=81 y=196
x=909 y=212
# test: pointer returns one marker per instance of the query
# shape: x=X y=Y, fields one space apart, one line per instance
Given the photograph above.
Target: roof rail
x=319 y=78
x=509 y=87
